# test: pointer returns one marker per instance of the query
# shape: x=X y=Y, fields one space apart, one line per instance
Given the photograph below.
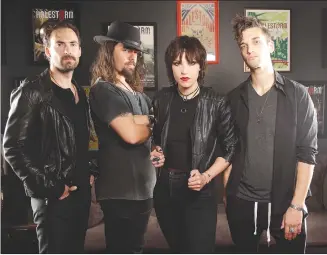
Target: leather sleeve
x=94 y=169
x=155 y=131
x=226 y=129
x=19 y=145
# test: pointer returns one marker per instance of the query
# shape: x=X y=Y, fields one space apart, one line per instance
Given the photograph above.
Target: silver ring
x=292 y=230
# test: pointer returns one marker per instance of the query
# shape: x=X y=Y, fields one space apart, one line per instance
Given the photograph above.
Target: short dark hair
x=55 y=25
x=194 y=50
x=241 y=23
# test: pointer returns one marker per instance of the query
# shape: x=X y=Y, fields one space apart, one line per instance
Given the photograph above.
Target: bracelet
x=298 y=208
x=208 y=179
x=152 y=119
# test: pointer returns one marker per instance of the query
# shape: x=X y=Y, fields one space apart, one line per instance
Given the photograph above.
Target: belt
x=177 y=170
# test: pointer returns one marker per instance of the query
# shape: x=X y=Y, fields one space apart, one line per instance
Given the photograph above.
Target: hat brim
x=102 y=38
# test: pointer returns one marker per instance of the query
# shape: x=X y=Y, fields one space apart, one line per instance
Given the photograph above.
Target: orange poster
x=200 y=19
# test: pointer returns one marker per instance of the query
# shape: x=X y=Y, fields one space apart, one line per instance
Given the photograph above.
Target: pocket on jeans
x=178 y=187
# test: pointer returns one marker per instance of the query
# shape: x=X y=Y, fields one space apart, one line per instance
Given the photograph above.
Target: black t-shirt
x=256 y=181
x=179 y=146
x=126 y=171
x=77 y=114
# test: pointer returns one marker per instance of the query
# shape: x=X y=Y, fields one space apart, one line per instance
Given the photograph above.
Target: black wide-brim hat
x=123 y=33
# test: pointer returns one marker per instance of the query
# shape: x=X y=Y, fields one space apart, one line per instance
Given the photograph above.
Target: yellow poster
x=94 y=142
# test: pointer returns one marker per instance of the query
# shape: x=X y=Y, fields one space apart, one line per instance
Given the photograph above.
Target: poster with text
x=200 y=19
x=43 y=18
x=278 y=22
x=148 y=36
x=318 y=93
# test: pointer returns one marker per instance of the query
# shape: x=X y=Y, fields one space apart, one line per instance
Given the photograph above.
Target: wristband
x=208 y=180
x=298 y=208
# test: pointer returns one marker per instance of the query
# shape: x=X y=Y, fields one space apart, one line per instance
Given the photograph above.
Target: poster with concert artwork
x=201 y=20
x=45 y=17
x=278 y=22
x=148 y=37
x=318 y=93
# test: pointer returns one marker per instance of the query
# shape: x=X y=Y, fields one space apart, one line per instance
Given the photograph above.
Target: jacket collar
x=47 y=82
x=279 y=83
x=50 y=97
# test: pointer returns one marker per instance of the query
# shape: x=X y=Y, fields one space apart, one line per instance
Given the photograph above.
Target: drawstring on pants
x=255 y=217
x=256 y=220
x=268 y=229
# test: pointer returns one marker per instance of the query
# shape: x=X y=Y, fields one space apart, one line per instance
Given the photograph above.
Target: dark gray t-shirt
x=256 y=181
x=125 y=169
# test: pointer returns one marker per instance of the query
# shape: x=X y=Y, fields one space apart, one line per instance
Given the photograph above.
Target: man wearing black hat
x=120 y=111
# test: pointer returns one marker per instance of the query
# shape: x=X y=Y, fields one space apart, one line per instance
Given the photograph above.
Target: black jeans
x=187 y=218
x=15 y=202
x=62 y=224
x=126 y=222
x=240 y=215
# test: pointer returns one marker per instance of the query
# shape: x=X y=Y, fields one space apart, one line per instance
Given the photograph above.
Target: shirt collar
x=279 y=81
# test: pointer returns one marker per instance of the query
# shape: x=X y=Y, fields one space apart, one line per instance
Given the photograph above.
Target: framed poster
x=324 y=38
x=148 y=32
x=278 y=22
x=318 y=93
x=94 y=141
x=44 y=17
x=3 y=39
x=200 y=19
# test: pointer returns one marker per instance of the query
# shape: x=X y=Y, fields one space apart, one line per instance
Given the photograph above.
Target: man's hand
x=157 y=157
x=196 y=180
x=141 y=119
x=66 y=192
x=91 y=180
x=292 y=223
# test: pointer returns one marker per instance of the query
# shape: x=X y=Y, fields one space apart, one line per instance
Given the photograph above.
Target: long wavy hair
x=104 y=67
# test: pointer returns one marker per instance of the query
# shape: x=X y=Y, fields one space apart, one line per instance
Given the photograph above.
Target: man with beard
x=46 y=143
x=120 y=111
x=272 y=171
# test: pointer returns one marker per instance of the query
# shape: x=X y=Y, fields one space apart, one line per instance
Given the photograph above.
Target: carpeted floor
x=24 y=242
x=154 y=239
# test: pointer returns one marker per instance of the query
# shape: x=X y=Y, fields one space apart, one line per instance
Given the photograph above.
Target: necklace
x=259 y=116
x=134 y=94
x=73 y=89
x=184 y=97
x=130 y=90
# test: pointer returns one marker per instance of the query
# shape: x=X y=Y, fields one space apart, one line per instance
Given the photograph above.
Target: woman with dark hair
x=194 y=141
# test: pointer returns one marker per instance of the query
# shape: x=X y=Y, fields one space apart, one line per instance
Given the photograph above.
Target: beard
x=68 y=66
x=128 y=73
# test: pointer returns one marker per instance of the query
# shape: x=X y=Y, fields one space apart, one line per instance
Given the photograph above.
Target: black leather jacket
x=39 y=139
x=212 y=133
